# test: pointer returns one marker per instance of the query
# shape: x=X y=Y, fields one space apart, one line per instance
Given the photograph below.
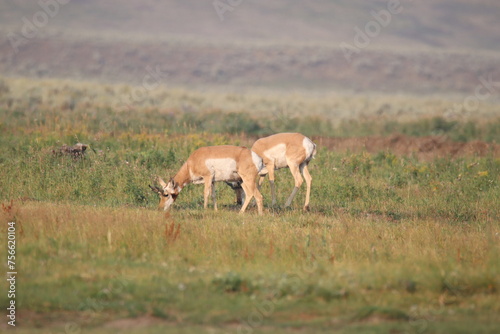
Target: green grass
x=121 y=167
x=391 y=243
x=68 y=111
x=91 y=265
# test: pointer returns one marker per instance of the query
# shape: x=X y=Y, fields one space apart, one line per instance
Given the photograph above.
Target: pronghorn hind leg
x=261 y=180
x=294 y=169
x=308 y=180
x=273 y=192
x=214 y=197
x=270 y=169
x=238 y=191
x=259 y=200
x=239 y=195
x=291 y=197
x=248 y=197
x=262 y=176
x=251 y=190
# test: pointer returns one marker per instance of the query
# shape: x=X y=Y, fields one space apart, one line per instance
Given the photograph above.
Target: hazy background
x=431 y=47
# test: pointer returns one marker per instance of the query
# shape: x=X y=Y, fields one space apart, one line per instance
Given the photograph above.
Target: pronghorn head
x=168 y=193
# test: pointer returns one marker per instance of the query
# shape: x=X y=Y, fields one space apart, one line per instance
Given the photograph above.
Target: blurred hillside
x=426 y=47
x=456 y=24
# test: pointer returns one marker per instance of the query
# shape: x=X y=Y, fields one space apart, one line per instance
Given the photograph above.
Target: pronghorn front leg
x=209 y=190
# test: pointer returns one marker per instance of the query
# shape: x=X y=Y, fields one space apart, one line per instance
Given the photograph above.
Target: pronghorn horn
x=161 y=182
x=157 y=190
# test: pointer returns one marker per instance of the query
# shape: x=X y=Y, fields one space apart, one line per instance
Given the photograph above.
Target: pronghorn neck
x=183 y=176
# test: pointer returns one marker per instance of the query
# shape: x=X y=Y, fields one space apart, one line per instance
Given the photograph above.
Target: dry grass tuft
x=172 y=232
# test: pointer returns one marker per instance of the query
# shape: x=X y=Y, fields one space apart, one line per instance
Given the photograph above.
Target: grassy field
x=63 y=110
x=391 y=244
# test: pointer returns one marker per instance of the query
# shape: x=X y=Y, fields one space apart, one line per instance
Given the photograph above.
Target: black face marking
x=174 y=196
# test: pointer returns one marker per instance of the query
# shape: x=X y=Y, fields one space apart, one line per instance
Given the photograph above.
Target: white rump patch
x=257 y=161
x=278 y=155
x=223 y=169
x=310 y=148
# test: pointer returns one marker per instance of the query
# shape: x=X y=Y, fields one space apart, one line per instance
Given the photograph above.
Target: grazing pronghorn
x=292 y=150
x=211 y=164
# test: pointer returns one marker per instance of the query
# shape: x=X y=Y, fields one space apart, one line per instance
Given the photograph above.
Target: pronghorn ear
x=174 y=184
x=161 y=182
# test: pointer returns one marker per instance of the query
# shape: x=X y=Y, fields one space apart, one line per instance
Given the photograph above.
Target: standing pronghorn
x=292 y=150
x=211 y=164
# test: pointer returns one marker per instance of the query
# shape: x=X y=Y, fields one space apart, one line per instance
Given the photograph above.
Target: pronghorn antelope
x=210 y=164
x=292 y=150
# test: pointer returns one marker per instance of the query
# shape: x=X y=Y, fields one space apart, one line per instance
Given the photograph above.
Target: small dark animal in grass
x=76 y=151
